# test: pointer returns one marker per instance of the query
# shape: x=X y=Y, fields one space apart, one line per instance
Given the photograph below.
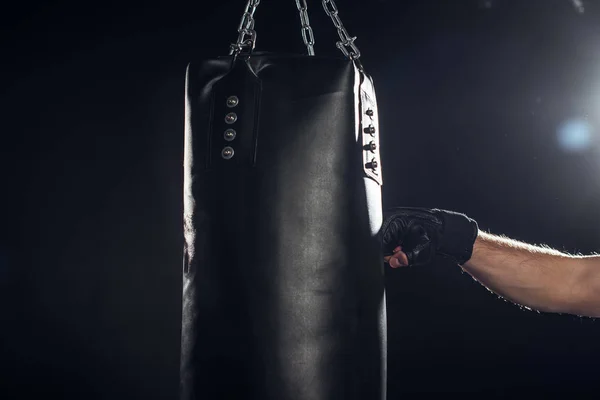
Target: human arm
x=533 y=276
x=537 y=277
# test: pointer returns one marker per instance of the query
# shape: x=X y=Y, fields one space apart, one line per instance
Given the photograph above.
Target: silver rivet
x=229 y=135
x=370 y=130
x=231 y=118
x=227 y=153
x=373 y=164
x=372 y=146
x=232 y=101
x=370 y=112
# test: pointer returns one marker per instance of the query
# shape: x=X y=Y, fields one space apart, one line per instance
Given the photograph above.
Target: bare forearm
x=536 y=277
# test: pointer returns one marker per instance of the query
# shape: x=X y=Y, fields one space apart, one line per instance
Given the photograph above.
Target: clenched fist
x=415 y=236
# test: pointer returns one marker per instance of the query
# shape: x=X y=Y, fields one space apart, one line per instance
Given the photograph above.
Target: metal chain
x=247 y=34
x=346 y=45
x=307 y=32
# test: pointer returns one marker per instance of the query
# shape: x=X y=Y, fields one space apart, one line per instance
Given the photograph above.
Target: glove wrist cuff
x=458 y=235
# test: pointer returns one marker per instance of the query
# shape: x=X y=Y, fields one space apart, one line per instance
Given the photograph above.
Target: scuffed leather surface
x=283 y=280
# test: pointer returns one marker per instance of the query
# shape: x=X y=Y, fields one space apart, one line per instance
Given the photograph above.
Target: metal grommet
x=227 y=153
x=370 y=130
x=370 y=112
x=373 y=164
x=229 y=135
x=230 y=118
x=232 y=101
x=372 y=146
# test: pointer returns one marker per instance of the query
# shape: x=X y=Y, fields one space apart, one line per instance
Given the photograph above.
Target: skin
x=536 y=277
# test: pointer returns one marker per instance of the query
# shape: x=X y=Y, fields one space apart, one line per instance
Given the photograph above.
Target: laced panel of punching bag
x=283 y=290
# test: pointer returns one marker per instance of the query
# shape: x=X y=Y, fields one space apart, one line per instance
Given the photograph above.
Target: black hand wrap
x=425 y=233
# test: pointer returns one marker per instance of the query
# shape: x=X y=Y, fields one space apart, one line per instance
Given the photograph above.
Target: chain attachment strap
x=346 y=44
x=247 y=35
x=307 y=32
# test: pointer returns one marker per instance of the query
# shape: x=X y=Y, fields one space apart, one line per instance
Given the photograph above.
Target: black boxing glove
x=424 y=233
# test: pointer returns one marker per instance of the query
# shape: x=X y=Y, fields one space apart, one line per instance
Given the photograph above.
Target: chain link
x=247 y=34
x=307 y=32
x=346 y=44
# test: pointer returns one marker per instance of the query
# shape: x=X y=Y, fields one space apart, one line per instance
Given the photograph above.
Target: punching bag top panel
x=297 y=71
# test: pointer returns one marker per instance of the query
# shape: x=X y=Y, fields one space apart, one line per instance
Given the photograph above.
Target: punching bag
x=283 y=284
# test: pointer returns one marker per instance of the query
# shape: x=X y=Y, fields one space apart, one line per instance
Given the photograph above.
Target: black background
x=471 y=94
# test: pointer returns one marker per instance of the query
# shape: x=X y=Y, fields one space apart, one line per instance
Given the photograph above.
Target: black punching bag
x=283 y=286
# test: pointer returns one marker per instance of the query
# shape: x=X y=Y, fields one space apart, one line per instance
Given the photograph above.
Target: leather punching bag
x=283 y=286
